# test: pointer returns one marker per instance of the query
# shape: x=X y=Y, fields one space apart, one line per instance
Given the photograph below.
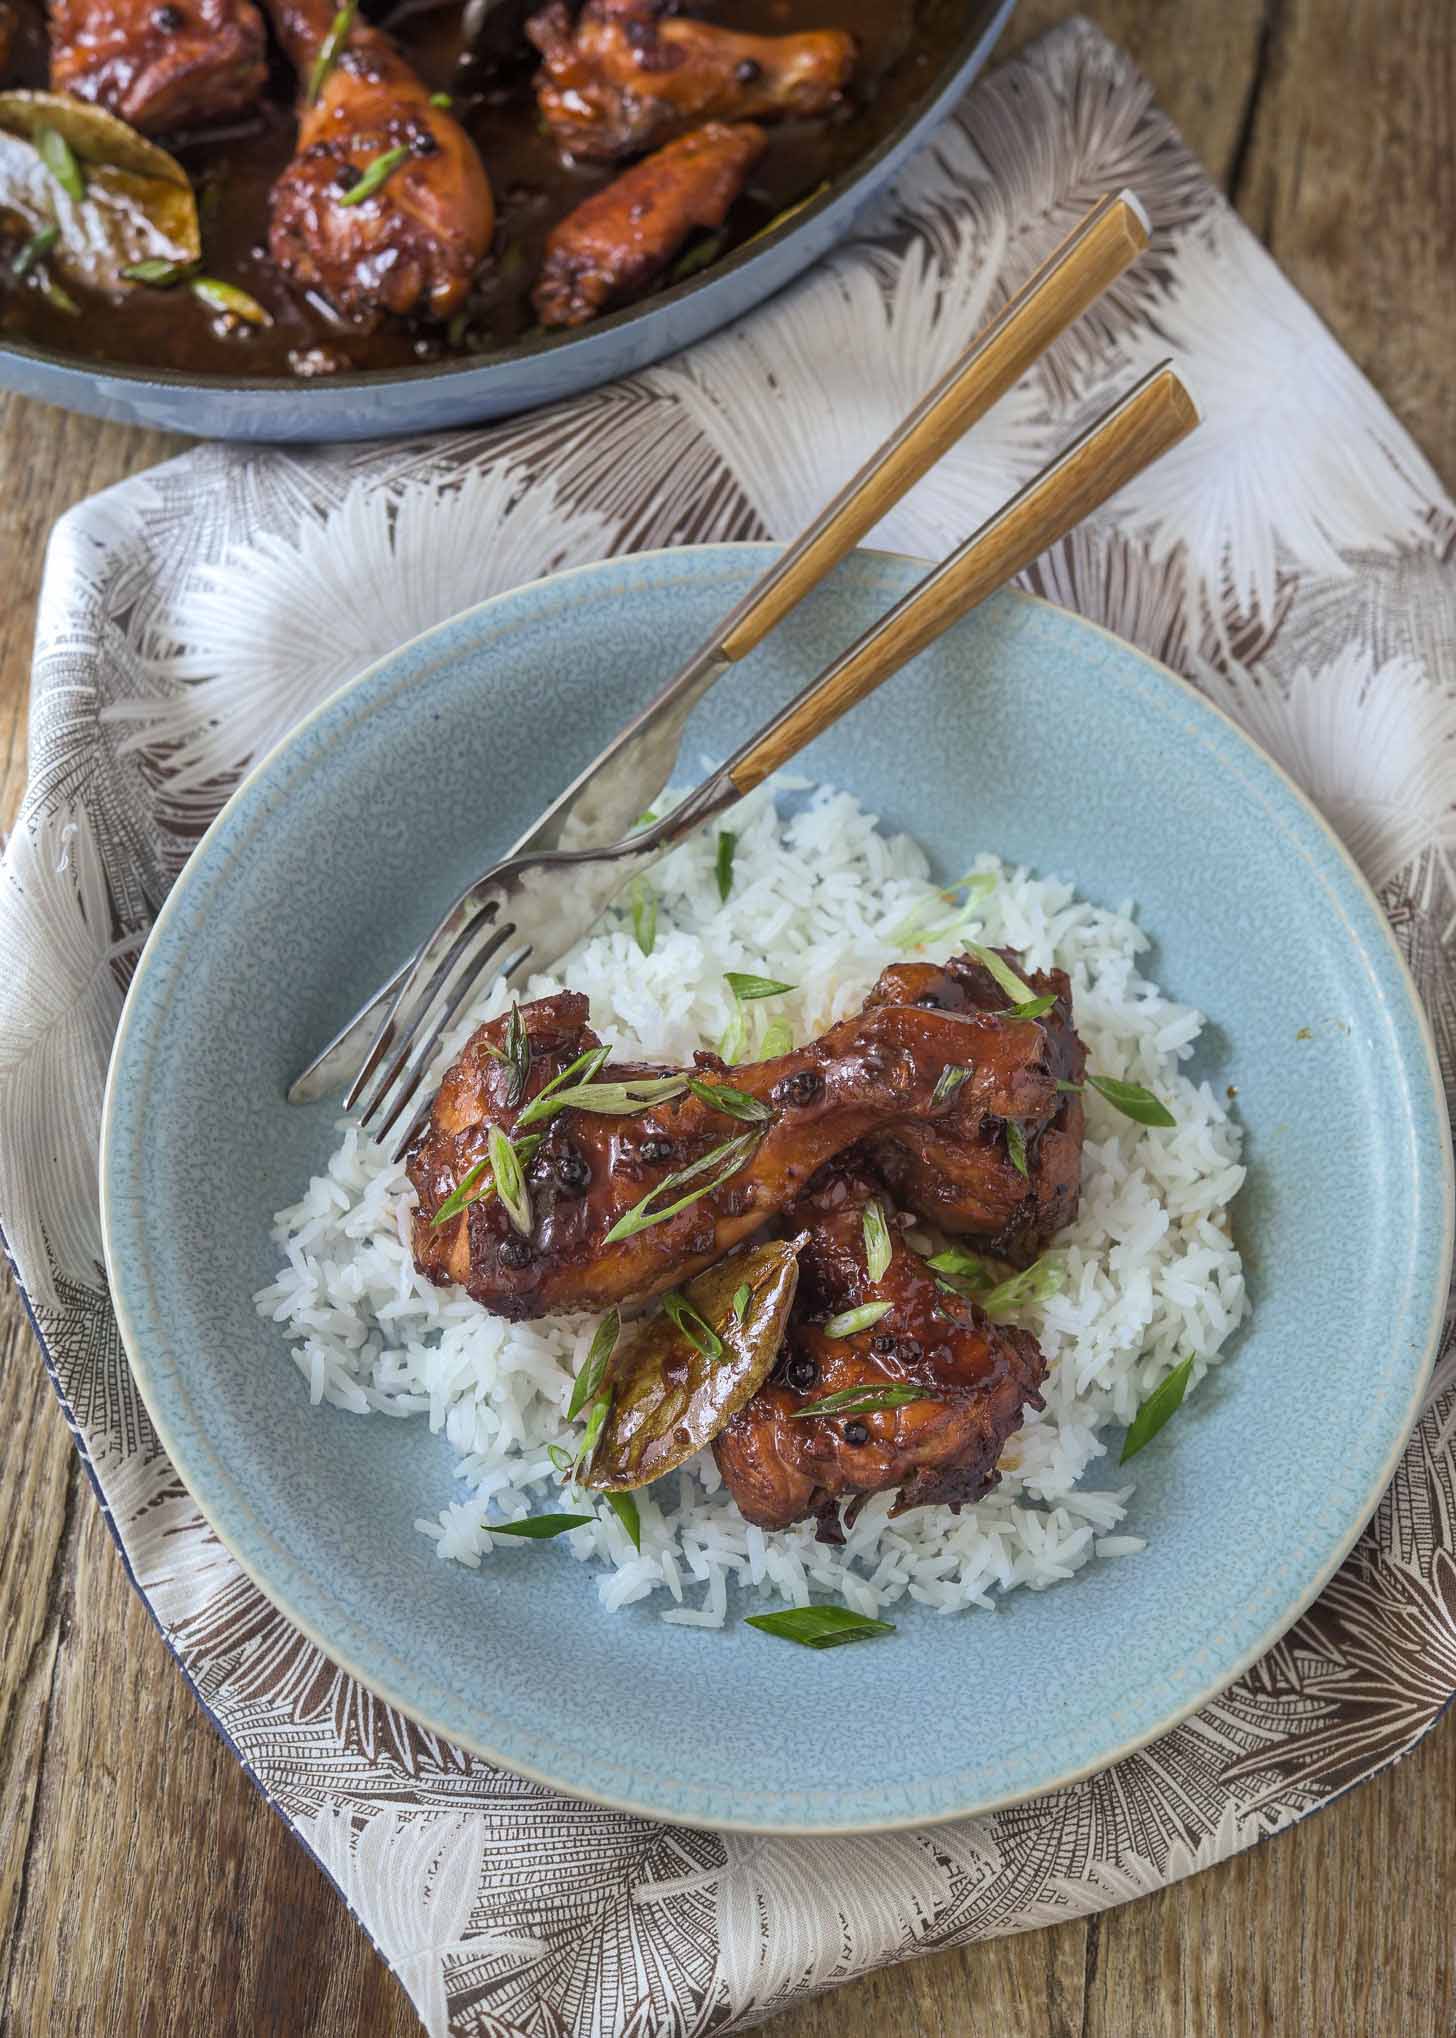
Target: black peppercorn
x=801 y=1088
x=856 y=1433
x=884 y=1342
x=655 y=1149
x=573 y=1170
x=168 y=19
x=748 y=72
x=346 y=176
x=801 y=1372
x=515 y=1252
x=930 y=1000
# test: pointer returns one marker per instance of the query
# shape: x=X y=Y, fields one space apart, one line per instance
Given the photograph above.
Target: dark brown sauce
x=902 y=43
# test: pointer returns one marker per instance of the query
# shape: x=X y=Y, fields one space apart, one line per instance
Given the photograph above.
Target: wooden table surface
x=143 y=1886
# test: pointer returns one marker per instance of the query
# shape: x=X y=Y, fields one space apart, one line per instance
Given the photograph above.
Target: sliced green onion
x=60 y=159
x=379 y=172
x=1133 y=1101
x=226 y=297
x=695 y=1328
x=950 y=1081
x=39 y=244
x=1035 y=1283
x=159 y=274
x=589 y=1379
x=733 y=1153
x=518 y=1054
x=734 y=1103
x=1009 y=981
x=442 y=100
x=915 y=930
x=724 y=867
x=644 y=915
x=595 y=1419
x=62 y=300
x=329 y=48
x=745 y=987
x=741 y=1297
x=734 y=1044
x=849 y=1321
x=1161 y=1404
x=877 y=1242
x=865 y=1400
x=1016 y=1147
x=818 y=1627
x=583 y=1069
x=967 y=1269
x=461 y=1197
x=624 y=1507
x=610 y=1100
x=538 y=1528
x=1033 y=1009
x=561 y=1458
x=777 y=1039
x=510 y=1180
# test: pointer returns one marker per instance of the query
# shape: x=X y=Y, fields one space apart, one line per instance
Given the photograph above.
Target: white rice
x=820 y=900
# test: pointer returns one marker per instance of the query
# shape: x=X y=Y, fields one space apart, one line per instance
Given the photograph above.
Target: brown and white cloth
x=1296 y=558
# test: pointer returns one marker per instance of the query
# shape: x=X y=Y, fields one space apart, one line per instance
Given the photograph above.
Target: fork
x=536 y=906
x=623 y=781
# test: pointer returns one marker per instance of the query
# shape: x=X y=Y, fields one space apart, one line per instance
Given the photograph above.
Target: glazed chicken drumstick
x=615 y=243
x=959 y=1172
x=182 y=64
x=973 y=1378
x=385 y=208
x=623 y=79
x=731 y=1167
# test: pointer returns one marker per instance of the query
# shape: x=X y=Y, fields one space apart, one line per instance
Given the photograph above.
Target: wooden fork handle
x=1153 y=416
x=1093 y=256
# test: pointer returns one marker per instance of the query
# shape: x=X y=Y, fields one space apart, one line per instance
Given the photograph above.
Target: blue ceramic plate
x=1025 y=731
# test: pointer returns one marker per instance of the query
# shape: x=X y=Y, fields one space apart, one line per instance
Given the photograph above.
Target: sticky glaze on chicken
x=620 y=240
x=866 y=1073
x=414 y=244
x=958 y=1171
x=782 y=1466
x=623 y=79
x=182 y=64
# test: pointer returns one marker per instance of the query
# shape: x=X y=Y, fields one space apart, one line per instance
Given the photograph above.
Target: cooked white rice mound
x=821 y=899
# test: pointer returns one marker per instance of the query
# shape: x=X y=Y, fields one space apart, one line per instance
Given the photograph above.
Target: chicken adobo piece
x=959 y=1172
x=957 y=1383
x=385 y=208
x=620 y=239
x=626 y=75
x=182 y=64
x=622 y=1182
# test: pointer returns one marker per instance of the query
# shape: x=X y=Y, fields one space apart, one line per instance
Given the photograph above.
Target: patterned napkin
x=1294 y=558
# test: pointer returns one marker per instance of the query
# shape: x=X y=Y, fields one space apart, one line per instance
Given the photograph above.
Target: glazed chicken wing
x=615 y=243
x=181 y=64
x=623 y=79
x=782 y=1466
x=958 y=1171
x=414 y=241
x=591 y=1170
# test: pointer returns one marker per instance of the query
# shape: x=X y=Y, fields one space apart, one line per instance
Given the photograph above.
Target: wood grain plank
x=160 y=1892
x=1350 y=177
x=36 y=1494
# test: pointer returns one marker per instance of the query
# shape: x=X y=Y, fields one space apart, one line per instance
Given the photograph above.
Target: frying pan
x=536 y=371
